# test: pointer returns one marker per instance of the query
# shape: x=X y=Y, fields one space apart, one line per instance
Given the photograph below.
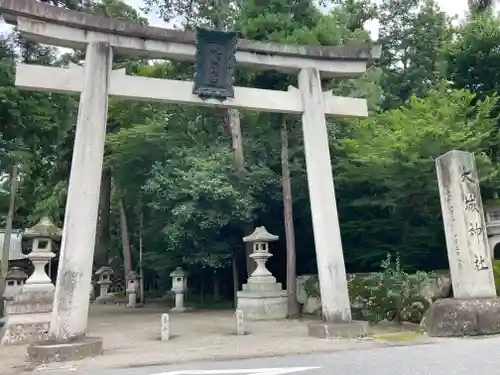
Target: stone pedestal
x=104 y=297
x=262 y=297
x=332 y=330
x=27 y=317
x=28 y=314
x=179 y=303
x=463 y=317
x=51 y=351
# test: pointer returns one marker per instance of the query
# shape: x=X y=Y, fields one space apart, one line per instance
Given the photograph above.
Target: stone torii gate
x=101 y=38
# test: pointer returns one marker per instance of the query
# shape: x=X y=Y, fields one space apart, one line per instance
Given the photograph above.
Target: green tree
x=477 y=6
x=387 y=182
x=413 y=35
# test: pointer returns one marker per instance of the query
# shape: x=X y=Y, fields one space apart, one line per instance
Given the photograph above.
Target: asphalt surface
x=451 y=357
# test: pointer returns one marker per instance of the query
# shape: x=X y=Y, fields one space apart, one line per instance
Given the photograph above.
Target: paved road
x=451 y=357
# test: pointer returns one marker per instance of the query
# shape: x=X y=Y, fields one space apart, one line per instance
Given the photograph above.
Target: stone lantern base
x=263 y=298
x=27 y=317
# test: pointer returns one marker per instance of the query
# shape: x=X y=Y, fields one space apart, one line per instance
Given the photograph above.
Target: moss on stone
x=311 y=286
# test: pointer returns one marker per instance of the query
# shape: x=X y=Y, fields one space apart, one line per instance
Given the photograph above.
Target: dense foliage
x=169 y=183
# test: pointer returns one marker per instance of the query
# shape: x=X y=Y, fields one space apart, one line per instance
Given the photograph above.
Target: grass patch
x=400 y=336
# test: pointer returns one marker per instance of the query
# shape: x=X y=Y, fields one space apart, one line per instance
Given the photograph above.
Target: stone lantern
x=43 y=234
x=132 y=288
x=179 y=287
x=28 y=314
x=260 y=239
x=104 y=281
x=15 y=279
x=262 y=297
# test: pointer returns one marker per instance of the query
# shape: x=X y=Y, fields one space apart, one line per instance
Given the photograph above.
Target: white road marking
x=255 y=371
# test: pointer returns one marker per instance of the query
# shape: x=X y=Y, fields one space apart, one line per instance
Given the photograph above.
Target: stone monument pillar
x=262 y=297
x=474 y=310
x=28 y=313
x=179 y=287
x=104 y=281
x=132 y=289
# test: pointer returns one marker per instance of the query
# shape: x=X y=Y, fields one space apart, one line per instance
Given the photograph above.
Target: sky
x=452 y=7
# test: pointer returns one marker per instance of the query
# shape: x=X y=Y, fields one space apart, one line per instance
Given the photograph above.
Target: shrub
x=496 y=275
x=391 y=294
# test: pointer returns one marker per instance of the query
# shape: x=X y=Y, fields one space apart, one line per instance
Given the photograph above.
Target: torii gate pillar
x=335 y=304
x=71 y=300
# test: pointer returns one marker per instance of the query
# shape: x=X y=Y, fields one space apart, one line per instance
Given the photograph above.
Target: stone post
x=240 y=323
x=475 y=308
x=179 y=287
x=165 y=327
x=335 y=302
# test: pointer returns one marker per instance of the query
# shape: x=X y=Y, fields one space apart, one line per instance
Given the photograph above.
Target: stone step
x=262 y=287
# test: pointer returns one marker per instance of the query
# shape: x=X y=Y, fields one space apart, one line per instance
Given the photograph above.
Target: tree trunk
x=101 y=256
x=291 y=286
x=141 y=250
x=4 y=266
x=236 y=281
x=216 y=287
x=232 y=119
x=202 y=293
x=10 y=218
x=127 y=256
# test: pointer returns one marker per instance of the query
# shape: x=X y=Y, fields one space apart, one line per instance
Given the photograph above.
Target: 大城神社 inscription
x=464 y=225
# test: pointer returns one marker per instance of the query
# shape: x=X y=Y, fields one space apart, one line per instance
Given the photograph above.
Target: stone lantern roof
x=179 y=272
x=260 y=234
x=132 y=275
x=15 y=273
x=104 y=269
x=45 y=228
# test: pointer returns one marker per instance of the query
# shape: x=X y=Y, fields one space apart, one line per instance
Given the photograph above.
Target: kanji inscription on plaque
x=215 y=63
